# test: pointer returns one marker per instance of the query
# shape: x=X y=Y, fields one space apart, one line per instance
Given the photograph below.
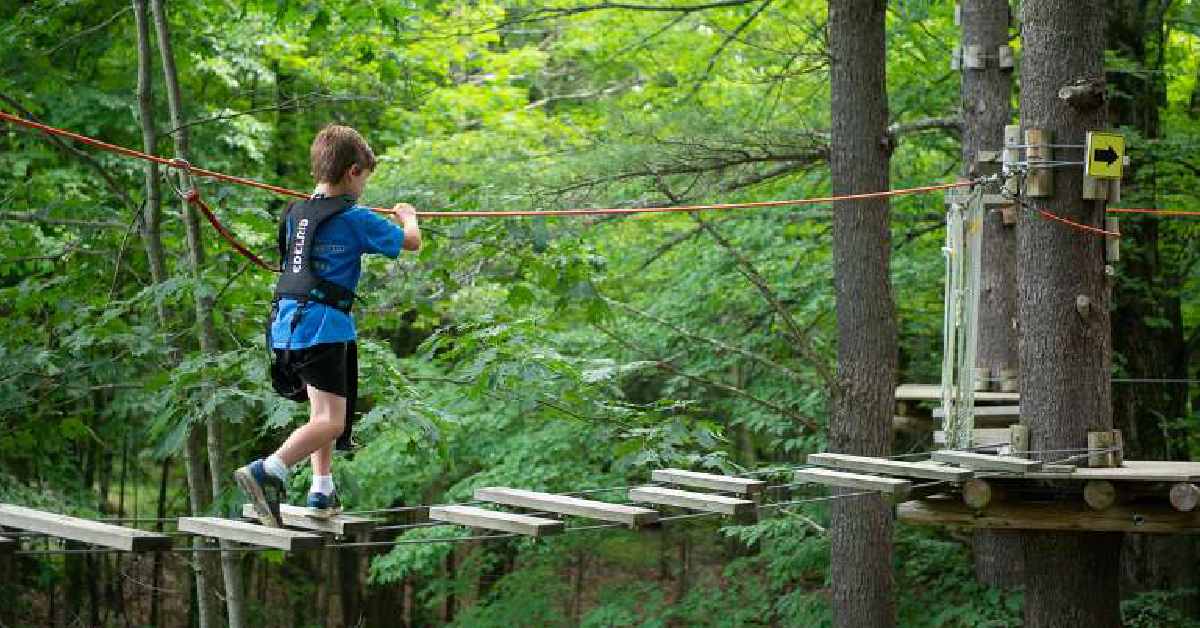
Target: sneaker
x=265 y=491
x=324 y=506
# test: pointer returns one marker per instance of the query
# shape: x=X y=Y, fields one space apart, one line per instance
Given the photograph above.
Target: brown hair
x=335 y=149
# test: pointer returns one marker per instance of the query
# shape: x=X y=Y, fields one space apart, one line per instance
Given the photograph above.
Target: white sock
x=322 y=484
x=274 y=465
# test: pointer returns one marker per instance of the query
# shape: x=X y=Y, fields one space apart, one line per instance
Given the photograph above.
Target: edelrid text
x=298 y=245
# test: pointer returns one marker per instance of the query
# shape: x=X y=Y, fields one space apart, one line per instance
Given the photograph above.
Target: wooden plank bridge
x=956 y=488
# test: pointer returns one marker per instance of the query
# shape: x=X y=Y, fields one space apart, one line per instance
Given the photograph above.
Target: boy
x=311 y=332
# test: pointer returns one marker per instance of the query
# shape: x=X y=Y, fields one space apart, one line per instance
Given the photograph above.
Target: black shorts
x=330 y=367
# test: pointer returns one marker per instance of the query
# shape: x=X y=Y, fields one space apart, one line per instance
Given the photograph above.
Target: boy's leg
x=327 y=419
x=265 y=481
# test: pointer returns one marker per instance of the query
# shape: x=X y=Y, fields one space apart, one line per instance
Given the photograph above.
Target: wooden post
x=1040 y=181
x=1103 y=494
x=1100 y=440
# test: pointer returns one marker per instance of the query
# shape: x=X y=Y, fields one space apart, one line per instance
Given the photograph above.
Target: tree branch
x=896 y=129
x=712 y=341
x=807 y=422
x=40 y=217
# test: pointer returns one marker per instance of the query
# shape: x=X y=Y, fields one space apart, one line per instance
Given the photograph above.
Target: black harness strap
x=298 y=280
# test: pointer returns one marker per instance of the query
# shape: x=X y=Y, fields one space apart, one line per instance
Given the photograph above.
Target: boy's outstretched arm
x=405 y=215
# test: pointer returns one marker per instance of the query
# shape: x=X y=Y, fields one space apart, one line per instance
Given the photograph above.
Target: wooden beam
x=250 y=533
x=82 y=530
x=986 y=411
x=986 y=462
x=890 y=467
x=712 y=481
x=704 y=502
x=982 y=437
x=977 y=494
x=297 y=517
x=890 y=486
x=495 y=520
x=1073 y=516
x=933 y=392
x=632 y=516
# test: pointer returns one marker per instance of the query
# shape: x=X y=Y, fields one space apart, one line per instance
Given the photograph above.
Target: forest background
x=549 y=354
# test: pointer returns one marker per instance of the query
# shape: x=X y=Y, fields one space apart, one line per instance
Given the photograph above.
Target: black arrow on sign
x=1107 y=155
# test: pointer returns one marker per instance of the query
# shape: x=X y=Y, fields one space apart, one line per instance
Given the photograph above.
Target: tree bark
x=1147 y=290
x=986 y=109
x=230 y=567
x=863 y=396
x=1066 y=355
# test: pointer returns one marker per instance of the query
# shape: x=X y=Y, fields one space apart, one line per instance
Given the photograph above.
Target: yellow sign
x=1105 y=155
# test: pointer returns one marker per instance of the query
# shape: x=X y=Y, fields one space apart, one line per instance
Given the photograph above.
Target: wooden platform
x=632 y=516
x=297 y=517
x=495 y=520
x=870 y=464
x=82 y=530
x=1060 y=515
x=250 y=533
x=723 y=483
x=1132 y=471
x=933 y=392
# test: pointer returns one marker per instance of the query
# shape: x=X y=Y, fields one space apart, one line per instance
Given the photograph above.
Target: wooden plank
x=495 y=520
x=82 y=530
x=712 y=481
x=1133 y=471
x=986 y=462
x=890 y=486
x=986 y=411
x=985 y=437
x=297 y=517
x=250 y=533
x=890 y=467
x=933 y=392
x=704 y=502
x=1057 y=515
x=633 y=516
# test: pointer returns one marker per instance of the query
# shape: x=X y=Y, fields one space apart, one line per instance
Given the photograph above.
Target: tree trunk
x=1063 y=305
x=1147 y=291
x=861 y=422
x=230 y=567
x=986 y=109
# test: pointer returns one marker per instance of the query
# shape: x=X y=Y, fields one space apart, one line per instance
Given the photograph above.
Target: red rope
x=1080 y=226
x=212 y=174
x=193 y=197
x=1157 y=212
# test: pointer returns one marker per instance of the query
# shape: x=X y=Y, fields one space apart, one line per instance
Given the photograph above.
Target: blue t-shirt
x=340 y=243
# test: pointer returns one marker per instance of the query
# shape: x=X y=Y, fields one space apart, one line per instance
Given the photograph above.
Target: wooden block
x=1004 y=55
x=1102 y=494
x=82 y=530
x=632 y=516
x=250 y=533
x=725 y=483
x=297 y=517
x=973 y=57
x=1018 y=438
x=1040 y=181
x=983 y=437
x=496 y=520
x=978 y=493
x=890 y=486
x=986 y=461
x=890 y=467
x=1184 y=496
x=1100 y=440
x=986 y=411
x=704 y=502
x=933 y=392
x=1055 y=515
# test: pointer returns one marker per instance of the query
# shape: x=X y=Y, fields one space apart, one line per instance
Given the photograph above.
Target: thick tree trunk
x=1146 y=291
x=861 y=422
x=230 y=567
x=986 y=109
x=1066 y=356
